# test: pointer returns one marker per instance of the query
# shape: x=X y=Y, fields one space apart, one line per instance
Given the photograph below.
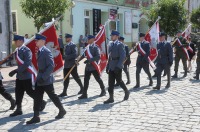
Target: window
x=87 y=22
x=14 y=20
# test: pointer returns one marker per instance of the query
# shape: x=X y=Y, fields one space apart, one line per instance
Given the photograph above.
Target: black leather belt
x=114 y=58
x=41 y=71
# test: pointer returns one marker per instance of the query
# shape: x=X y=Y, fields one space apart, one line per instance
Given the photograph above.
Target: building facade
x=5 y=28
x=125 y=16
x=87 y=15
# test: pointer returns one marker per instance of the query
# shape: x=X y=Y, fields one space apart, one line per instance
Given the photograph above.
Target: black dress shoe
x=43 y=105
x=80 y=92
x=154 y=76
x=116 y=85
x=16 y=113
x=83 y=96
x=103 y=93
x=167 y=86
x=196 y=77
x=164 y=74
x=128 y=82
x=62 y=95
x=127 y=93
x=156 y=88
x=108 y=101
x=34 y=120
x=151 y=83
x=12 y=103
x=60 y=114
x=175 y=76
x=136 y=86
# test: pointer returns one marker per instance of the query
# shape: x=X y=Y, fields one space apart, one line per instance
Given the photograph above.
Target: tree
x=43 y=11
x=173 y=15
x=195 y=18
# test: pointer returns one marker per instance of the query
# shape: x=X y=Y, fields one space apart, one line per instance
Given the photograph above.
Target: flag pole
x=106 y=48
x=154 y=24
x=145 y=35
x=78 y=59
x=182 y=33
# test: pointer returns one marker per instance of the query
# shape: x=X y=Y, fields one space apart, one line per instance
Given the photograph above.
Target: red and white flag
x=152 y=36
x=51 y=43
x=187 y=32
x=100 y=39
x=183 y=48
x=186 y=35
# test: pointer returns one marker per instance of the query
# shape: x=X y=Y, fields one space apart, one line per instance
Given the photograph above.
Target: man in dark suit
x=164 y=60
x=180 y=54
x=126 y=63
x=70 y=58
x=44 y=81
x=92 y=60
x=117 y=55
x=6 y=95
x=23 y=81
x=61 y=45
x=142 y=60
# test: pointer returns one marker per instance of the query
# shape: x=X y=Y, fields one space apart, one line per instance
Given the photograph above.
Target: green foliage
x=195 y=18
x=43 y=11
x=173 y=15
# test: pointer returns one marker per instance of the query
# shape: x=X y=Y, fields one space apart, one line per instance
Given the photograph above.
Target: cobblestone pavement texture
x=176 y=109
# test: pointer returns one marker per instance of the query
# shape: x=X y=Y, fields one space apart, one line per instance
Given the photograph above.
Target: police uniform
x=23 y=81
x=126 y=63
x=6 y=95
x=90 y=69
x=70 y=58
x=198 y=60
x=117 y=55
x=164 y=61
x=60 y=42
x=44 y=82
x=180 y=55
x=143 y=62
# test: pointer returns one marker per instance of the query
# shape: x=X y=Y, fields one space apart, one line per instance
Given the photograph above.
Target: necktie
x=39 y=52
x=113 y=44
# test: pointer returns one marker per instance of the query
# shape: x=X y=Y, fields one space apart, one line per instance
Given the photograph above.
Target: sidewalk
x=9 y=82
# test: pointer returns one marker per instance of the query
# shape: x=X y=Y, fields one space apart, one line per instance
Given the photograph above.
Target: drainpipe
x=8 y=13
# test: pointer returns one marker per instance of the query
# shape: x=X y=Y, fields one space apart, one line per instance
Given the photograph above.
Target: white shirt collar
x=20 y=47
x=70 y=43
x=40 y=49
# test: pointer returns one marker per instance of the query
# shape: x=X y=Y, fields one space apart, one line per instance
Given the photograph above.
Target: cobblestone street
x=168 y=110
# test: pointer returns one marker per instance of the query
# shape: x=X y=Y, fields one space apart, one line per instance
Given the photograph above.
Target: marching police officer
x=198 y=60
x=142 y=60
x=93 y=56
x=23 y=81
x=180 y=55
x=117 y=55
x=6 y=95
x=126 y=63
x=70 y=58
x=164 y=60
x=44 y=81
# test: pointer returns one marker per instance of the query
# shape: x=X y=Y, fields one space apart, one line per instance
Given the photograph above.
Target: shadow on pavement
x=194 y=81
x=82 y=101
x=100 y=107
x=156 y=91
x=4 y=120
x=29 y=128
x=138 y=89
x=3 y=111
x=66 y=97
